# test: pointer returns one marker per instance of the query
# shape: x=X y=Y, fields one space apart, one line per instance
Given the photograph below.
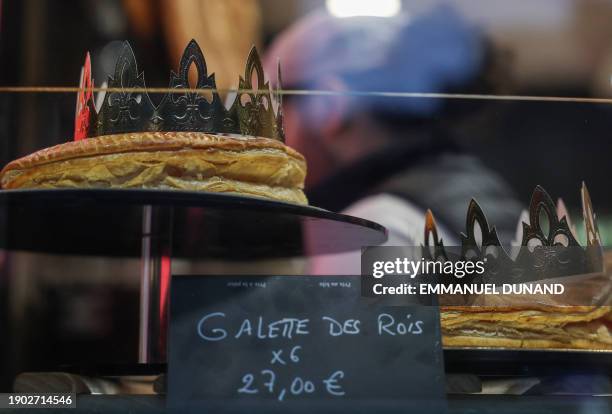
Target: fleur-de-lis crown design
x=127 y=107
x=546 y=244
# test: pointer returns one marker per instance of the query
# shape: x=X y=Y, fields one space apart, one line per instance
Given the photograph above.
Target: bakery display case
x=139 y=145
x=147 y=174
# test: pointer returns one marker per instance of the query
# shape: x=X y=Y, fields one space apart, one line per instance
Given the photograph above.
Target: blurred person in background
x=383 y=158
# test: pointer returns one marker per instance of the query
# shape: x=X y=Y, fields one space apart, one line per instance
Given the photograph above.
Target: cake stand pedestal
x=157 y=226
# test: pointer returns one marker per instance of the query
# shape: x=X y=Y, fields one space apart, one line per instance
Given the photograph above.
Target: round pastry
x=193 y=161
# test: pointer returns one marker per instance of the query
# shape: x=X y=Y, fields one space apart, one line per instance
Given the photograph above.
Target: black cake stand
x=159 y=225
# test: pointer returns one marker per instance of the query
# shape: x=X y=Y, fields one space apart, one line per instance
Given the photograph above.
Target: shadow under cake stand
x=157 y=226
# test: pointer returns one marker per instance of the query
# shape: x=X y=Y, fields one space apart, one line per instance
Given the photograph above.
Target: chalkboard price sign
x=293 y=340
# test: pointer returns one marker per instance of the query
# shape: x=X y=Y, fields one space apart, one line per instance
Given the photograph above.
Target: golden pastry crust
x=584 y=327
x=532 y=307
x=523 y=318
x=194 y=161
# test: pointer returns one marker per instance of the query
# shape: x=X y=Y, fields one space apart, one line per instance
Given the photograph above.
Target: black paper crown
x=127 y=107
x=541 y=252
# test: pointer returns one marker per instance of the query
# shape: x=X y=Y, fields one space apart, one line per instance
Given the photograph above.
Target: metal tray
x=110 y=223
x=527 y=362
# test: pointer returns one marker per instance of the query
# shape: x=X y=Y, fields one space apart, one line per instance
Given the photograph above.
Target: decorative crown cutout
x=127 y=107
x=540 y=251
